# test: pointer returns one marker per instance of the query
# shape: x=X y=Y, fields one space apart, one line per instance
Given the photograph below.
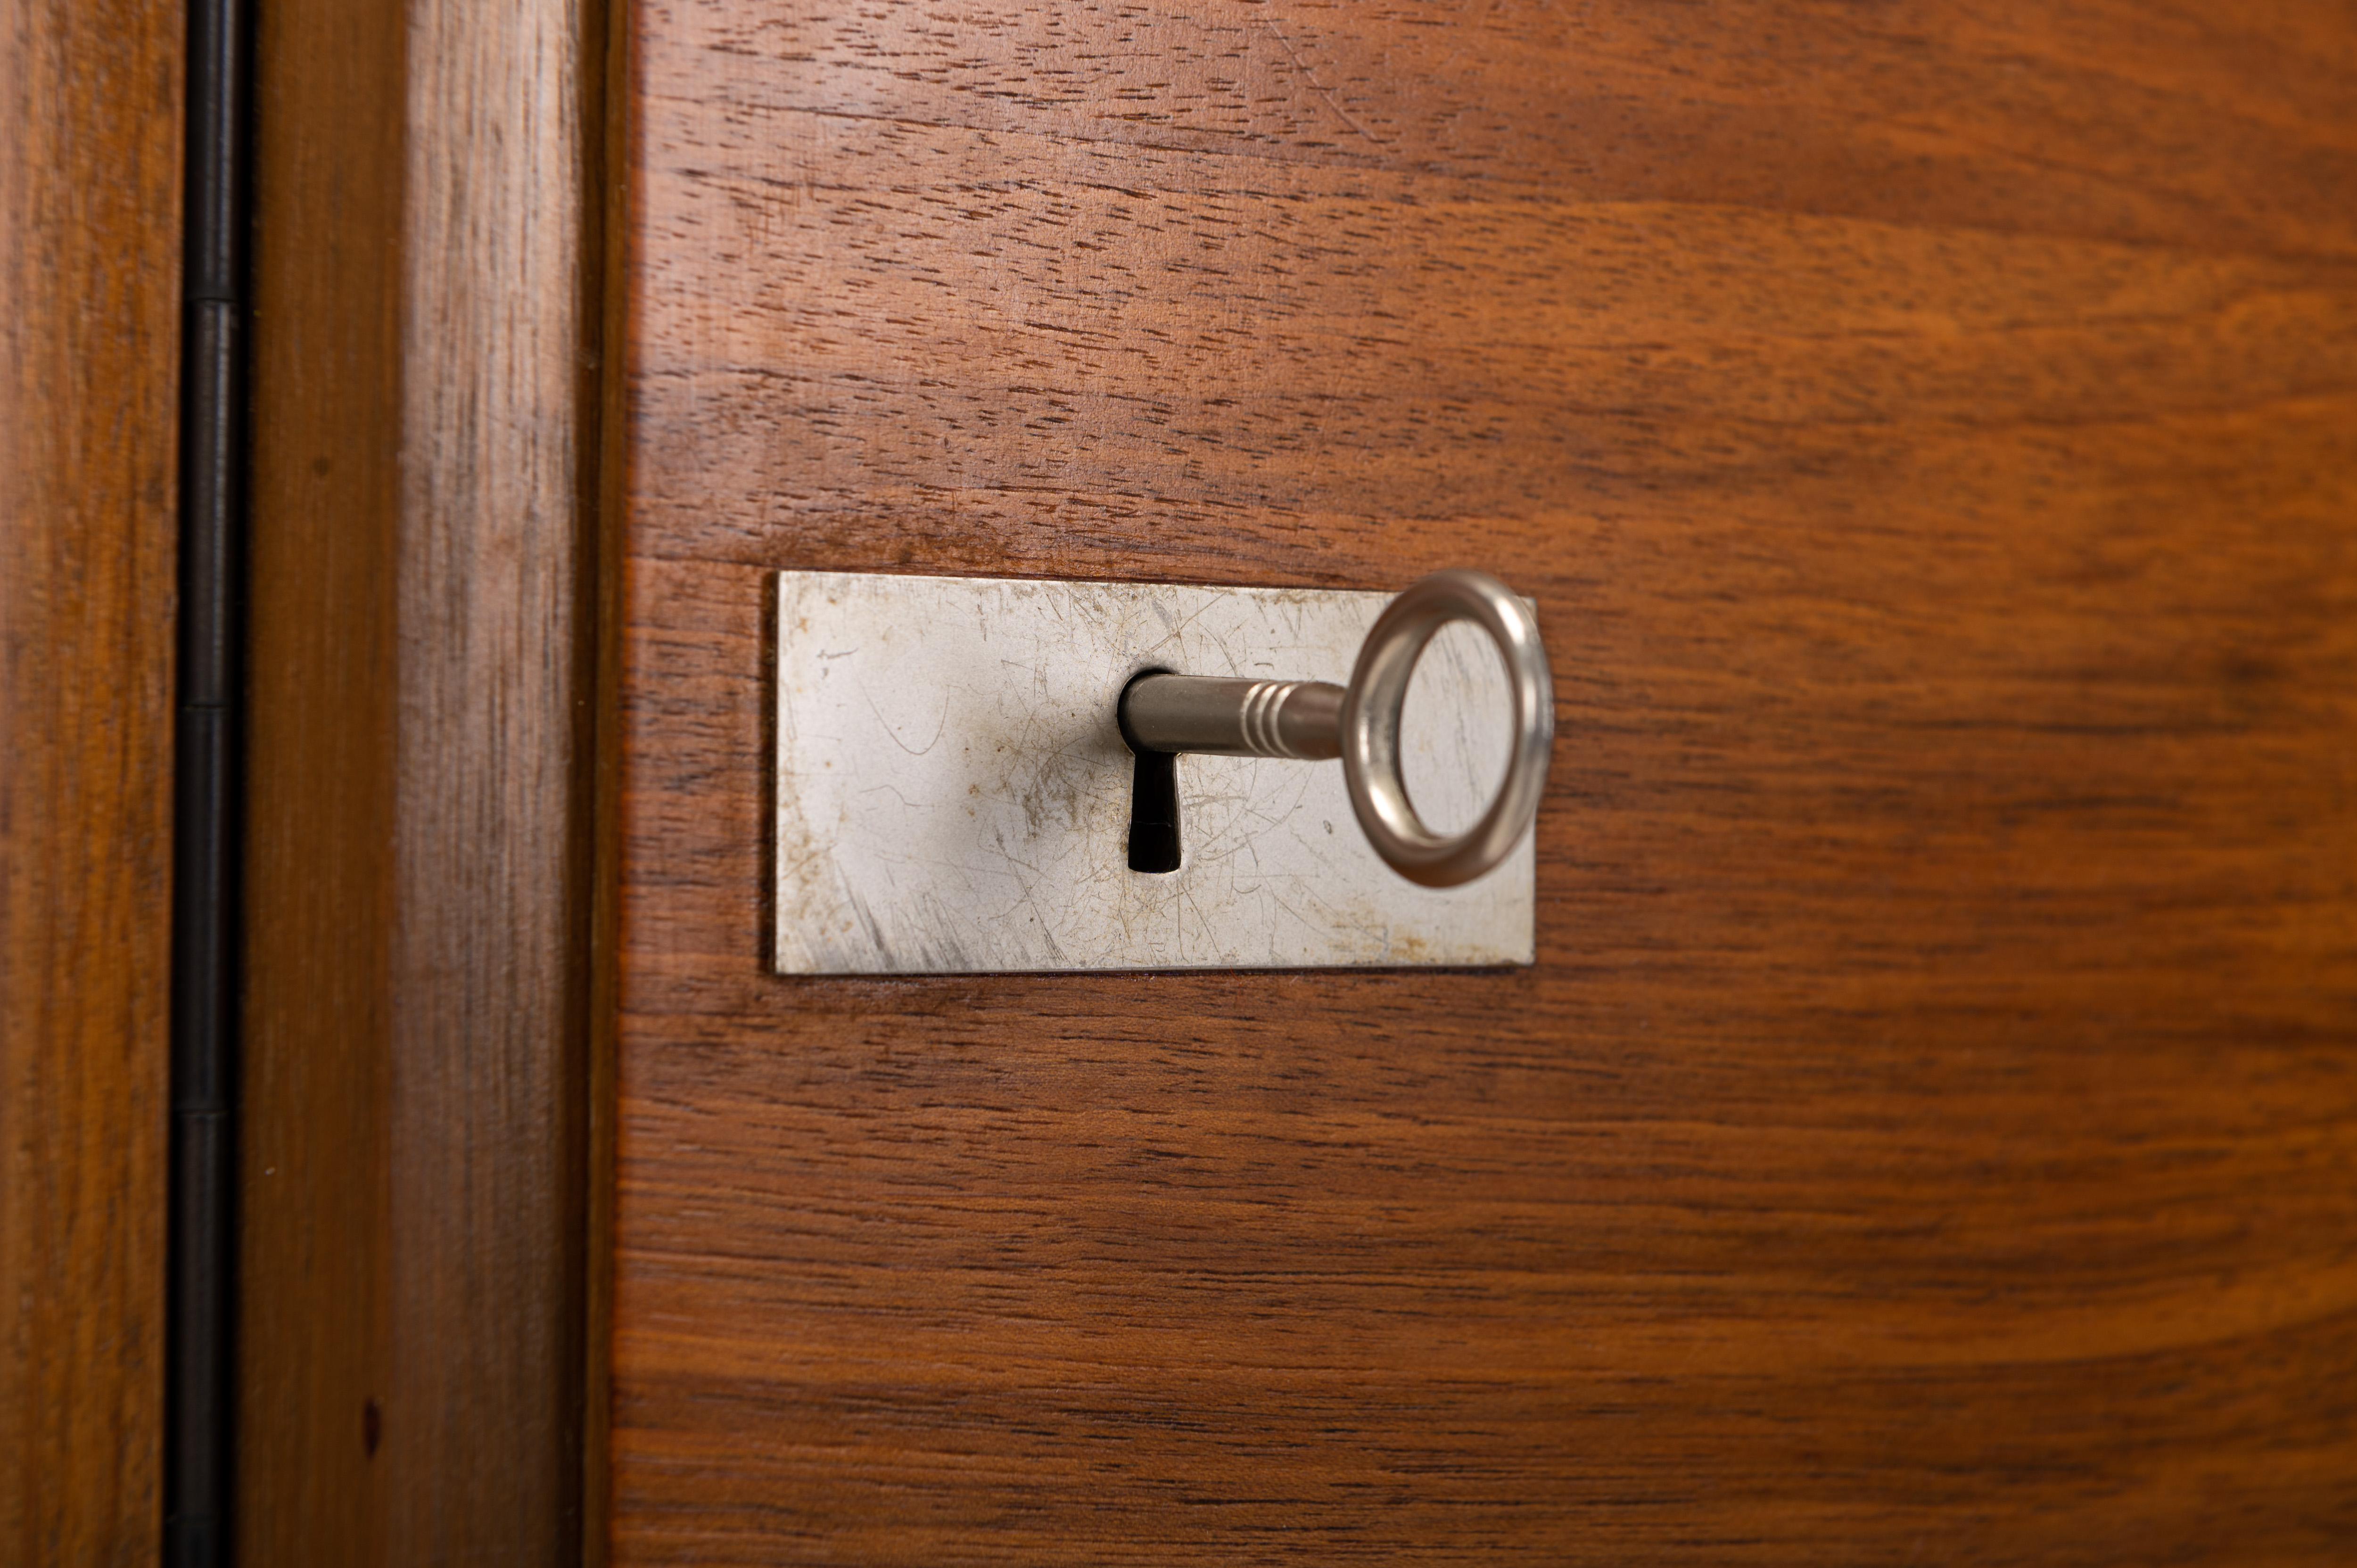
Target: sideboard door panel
x=1930 y=1124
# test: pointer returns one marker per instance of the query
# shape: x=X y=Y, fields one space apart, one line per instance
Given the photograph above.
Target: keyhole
x=1153 y=806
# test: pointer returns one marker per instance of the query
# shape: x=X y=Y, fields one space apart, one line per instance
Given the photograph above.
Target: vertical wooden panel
x=319 y=884
x=488 y=950
x=418 y=903
x=89 y=238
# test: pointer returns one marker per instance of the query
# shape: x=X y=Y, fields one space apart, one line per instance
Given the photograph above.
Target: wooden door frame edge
x=90 y=101
x=422 y=863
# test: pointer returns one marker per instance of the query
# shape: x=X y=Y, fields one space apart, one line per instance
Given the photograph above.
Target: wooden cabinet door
x=1929 y=1129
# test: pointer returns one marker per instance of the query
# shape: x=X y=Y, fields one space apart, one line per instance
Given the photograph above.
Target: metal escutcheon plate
x=952 y=791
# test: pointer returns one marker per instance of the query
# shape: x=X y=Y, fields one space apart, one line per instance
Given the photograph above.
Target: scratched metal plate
x=953 y=792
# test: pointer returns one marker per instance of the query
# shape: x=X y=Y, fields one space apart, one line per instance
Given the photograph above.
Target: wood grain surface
x=90 y=343
x=1929 y=1131
x=314 y=1264
x=412 y=1354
